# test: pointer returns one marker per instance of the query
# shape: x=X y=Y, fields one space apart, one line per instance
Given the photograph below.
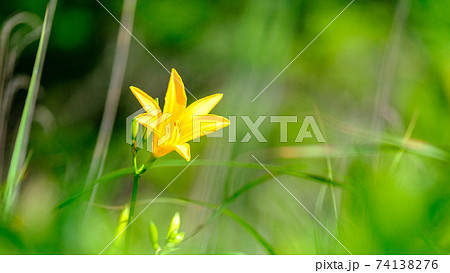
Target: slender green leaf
x=250 y=230
x=181 y=163
x=21 y=143
x=108 y=177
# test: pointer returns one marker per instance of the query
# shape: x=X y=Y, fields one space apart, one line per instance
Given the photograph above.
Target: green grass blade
x=112 y=99
x=248 y=186
x=387 y=142
x=21 y=143
x=108 y=177
x=250 y=165
x=236 y=194
x=250 y=230
x=181 y=163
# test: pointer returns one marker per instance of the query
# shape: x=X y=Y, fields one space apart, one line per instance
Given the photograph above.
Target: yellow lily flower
x=177 y=124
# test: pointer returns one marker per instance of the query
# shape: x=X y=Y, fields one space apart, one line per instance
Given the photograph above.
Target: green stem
x=136 y=175
x=133 y=197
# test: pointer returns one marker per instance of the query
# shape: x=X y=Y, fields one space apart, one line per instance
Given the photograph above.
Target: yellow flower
x=178 y=124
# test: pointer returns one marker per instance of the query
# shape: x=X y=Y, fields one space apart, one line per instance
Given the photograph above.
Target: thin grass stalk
x=21 y=143
x=17 y=83
x=330 y=173
x=7 y=63
x=112 y=99
x=407 y=136
x=388 y=142
x=18 y=19
x=387 y=71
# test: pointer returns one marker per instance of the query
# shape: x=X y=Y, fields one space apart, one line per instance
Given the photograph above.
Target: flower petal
x=202 y=106
x=199 y=126
x=175 y=101
x=184 y=150
x=162 y=149
x=148 y=120
x=147 y=102
x=160 y=152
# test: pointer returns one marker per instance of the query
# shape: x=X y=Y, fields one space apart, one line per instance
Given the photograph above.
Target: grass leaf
x=21 y=143
x=182 y=163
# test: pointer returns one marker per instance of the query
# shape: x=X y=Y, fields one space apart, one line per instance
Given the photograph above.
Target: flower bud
x=179 y=238
x=173 y=227
x=153 y=232
x=134 y=129
x=122 y=225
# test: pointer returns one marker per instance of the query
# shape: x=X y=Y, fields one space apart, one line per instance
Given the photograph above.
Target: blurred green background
x=382 y=67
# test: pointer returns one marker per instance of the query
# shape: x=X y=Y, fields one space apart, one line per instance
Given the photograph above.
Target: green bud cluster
x=174 y=236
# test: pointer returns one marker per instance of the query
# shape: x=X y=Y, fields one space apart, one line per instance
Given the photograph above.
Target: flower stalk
x=137 y=173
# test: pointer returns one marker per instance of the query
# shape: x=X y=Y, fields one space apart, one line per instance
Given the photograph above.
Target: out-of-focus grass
x=237 y=48
x=17 y=163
